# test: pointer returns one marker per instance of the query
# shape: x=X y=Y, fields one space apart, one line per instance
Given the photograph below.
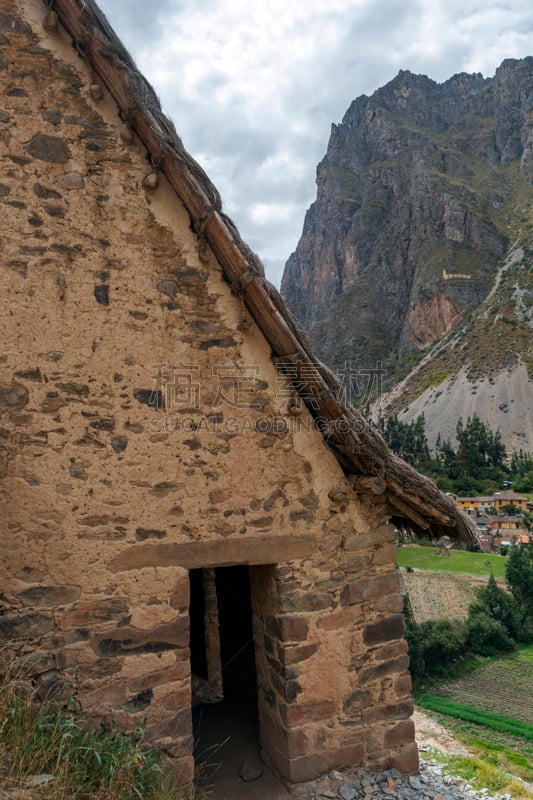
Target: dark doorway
x=239 y=678
x=226 y=733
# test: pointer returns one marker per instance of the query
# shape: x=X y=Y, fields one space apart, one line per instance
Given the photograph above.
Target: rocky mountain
x=417 y=252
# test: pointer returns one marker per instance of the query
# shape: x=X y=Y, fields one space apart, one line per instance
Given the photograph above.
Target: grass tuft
x=83 y=762
x=482 y=772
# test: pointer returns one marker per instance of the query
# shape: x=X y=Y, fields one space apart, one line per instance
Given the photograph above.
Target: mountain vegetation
x=477 y=464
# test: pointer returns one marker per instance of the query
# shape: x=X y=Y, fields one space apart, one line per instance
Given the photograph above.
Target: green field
x=498 y=722
x=458 y=562
x=501 y=687
x=491 y=711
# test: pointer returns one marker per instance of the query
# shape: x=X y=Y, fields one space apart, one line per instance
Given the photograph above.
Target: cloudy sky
x=253 y=86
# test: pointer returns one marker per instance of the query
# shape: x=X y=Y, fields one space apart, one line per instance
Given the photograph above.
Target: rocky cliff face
x=423 y=189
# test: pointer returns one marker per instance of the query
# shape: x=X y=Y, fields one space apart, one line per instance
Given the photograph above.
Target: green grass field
x=490 y=709
x=500 y=687
x=458 y=562
x=498 y=722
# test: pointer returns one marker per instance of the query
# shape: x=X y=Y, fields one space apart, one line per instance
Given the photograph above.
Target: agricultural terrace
x=502 y=687
x=458 y=562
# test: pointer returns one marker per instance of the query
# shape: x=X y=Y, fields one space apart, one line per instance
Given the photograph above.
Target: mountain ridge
x=423 y=193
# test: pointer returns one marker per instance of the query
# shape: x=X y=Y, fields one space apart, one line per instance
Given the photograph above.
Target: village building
x=474 y=504
x=497 y=502
x=501 y=500
x=189 y=512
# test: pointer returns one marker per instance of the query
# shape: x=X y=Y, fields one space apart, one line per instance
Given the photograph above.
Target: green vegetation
x=487 y=770
x=497 y=722
x=477 y=465
x=497 y=620
x=458 y=562
x=81 y=762
x=491 y=703
x=499 y=685
x=489 y=709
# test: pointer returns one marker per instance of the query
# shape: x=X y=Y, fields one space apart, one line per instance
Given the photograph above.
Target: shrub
x=434 y=646
x=488 y=636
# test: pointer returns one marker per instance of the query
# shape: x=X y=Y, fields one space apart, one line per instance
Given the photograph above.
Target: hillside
x=484 y=366
x=420 y=243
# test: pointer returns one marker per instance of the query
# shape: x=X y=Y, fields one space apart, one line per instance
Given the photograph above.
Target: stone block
x=180 y=671
x=25 y=625
x=181 y=595
x=405 y=760
x=48 y=148
x=386 y=554
x=391 y=604
x=357 y=700
x=403 y=684
x=104 y=609
x=13 y=397
x=401 y=734
x=176 y=726
x=101 y=668
x=287 y=628
x=302 y=713
x=390 y=711
x=354 y=562
x=305 y=768
x=311 y=601
x=370 y=588
x=358 y=541
x=294 y=654
x=369 y=674
x=141 y=534
x=9 y=23
x=179 y=748
x=128 y=640
x=111 y=694
x=49 y=596
x=341 y=619
x=181 y=769
x=391 y=650
x=385 y=629
x=37 y=663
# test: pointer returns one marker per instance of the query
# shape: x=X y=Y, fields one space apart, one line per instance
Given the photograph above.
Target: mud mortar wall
x=140 y=437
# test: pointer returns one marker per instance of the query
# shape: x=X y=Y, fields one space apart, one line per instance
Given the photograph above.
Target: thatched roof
x=414 y=500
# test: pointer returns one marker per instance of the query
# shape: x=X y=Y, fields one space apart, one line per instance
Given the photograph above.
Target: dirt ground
x=430 y=733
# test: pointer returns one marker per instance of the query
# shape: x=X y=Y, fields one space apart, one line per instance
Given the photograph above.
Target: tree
x=494 y=602
x=519 y=577
x=527 y=521
x=407 y=439
x=510 y=509
x=478 y=447
x=487 y=636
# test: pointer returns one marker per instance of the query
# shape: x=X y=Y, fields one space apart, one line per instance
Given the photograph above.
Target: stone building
x=167 y=438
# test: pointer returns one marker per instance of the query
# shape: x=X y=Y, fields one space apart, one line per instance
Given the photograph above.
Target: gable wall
x=108 y=501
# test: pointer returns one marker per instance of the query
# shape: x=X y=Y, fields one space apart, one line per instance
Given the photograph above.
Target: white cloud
x=254 y=87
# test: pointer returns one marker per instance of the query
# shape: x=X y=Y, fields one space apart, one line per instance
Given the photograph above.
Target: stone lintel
x=216 y=553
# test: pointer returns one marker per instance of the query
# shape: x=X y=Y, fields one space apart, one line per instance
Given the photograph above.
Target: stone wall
x=144 y=434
